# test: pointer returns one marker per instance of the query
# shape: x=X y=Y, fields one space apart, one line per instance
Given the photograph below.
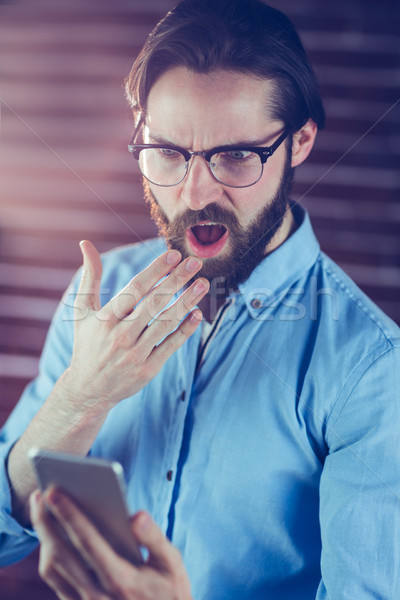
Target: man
x=260 y=446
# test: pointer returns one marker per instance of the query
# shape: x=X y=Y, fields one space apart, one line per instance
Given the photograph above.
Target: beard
x=248 y=245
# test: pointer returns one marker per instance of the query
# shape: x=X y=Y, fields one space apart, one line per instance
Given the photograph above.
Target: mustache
x=189 y=218
x=212 y=212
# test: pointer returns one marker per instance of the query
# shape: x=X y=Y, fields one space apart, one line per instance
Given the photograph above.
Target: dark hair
x=235 y=35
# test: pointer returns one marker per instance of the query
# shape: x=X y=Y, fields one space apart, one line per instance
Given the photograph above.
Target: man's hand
x=85 y=566
x=119 y=348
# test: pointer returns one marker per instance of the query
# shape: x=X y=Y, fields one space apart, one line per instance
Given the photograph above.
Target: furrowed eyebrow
x=159 y=140
x=241 y=144
x=254 y=143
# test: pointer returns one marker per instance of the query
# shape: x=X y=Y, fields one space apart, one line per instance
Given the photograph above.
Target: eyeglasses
x=235 y=166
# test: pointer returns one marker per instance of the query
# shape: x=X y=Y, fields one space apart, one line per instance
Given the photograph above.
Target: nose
x=199 y=187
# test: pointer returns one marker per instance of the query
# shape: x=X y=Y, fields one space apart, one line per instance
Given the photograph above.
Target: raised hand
x=119 y=348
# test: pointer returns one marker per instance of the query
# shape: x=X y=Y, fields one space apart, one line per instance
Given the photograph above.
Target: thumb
x=162 y=555
x=88 y=295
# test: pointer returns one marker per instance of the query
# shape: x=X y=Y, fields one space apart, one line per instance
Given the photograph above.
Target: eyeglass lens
x=237 y=168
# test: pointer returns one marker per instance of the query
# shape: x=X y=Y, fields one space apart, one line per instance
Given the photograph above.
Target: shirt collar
x=283 y=267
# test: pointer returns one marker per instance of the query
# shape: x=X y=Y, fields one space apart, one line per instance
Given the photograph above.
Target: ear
x=303 y=141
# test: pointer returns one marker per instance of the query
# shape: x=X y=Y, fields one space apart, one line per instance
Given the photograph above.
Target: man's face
x=231 y=229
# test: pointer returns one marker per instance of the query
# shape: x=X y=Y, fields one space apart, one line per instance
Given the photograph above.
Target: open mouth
x=207 y=239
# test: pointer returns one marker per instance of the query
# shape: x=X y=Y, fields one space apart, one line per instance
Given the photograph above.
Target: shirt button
x=183 y=396
x=169 y=475
x=256 y=303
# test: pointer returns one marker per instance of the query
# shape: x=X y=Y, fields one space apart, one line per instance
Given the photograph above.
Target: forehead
x=213 y=108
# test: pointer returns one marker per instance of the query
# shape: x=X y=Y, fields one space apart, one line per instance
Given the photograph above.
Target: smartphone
x=98 y=488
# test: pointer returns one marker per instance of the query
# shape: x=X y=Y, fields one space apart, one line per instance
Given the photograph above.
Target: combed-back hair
x=245 y=36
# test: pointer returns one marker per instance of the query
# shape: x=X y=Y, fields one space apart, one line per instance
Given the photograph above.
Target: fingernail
x=196 y=316
x=53 y=498
x=144 y=522
x=83 y=253
x=34 y=498
x=193 y=264
x=199 y=287
x=173 y=257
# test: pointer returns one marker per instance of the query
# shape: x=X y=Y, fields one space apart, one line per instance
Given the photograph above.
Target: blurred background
x=65 y=173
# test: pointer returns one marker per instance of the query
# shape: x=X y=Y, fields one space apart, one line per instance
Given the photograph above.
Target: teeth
x=206 y=224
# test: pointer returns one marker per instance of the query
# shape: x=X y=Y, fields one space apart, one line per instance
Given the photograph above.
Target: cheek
x=246 y=206
x=272 y=174
x=166 y=198
x=249 y=201
x=264 y=191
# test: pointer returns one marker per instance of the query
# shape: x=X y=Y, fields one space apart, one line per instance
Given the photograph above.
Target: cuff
x=8 y=524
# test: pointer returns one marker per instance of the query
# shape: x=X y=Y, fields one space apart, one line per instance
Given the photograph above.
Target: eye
x=237 y=155
x=169 y=153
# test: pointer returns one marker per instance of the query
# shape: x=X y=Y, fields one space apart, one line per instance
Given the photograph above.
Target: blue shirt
x=273 y=462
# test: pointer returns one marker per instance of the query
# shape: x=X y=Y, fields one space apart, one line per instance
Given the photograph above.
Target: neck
x=288 y=227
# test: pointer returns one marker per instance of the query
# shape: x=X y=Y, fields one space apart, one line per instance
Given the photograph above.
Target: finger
x=43 y=523
x=59 y=565
x=143 y=285
x=163 y=555
x=87 y=541
x=169 y=320
x=88 y=295
x=183 y=305
x=61 y=588
x=161 y=353
x=159 y=297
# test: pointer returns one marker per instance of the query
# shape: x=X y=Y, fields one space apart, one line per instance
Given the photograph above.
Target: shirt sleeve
x=360 y=486
x=16 y=541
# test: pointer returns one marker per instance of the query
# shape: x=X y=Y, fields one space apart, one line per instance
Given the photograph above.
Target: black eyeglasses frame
x=264 y=152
